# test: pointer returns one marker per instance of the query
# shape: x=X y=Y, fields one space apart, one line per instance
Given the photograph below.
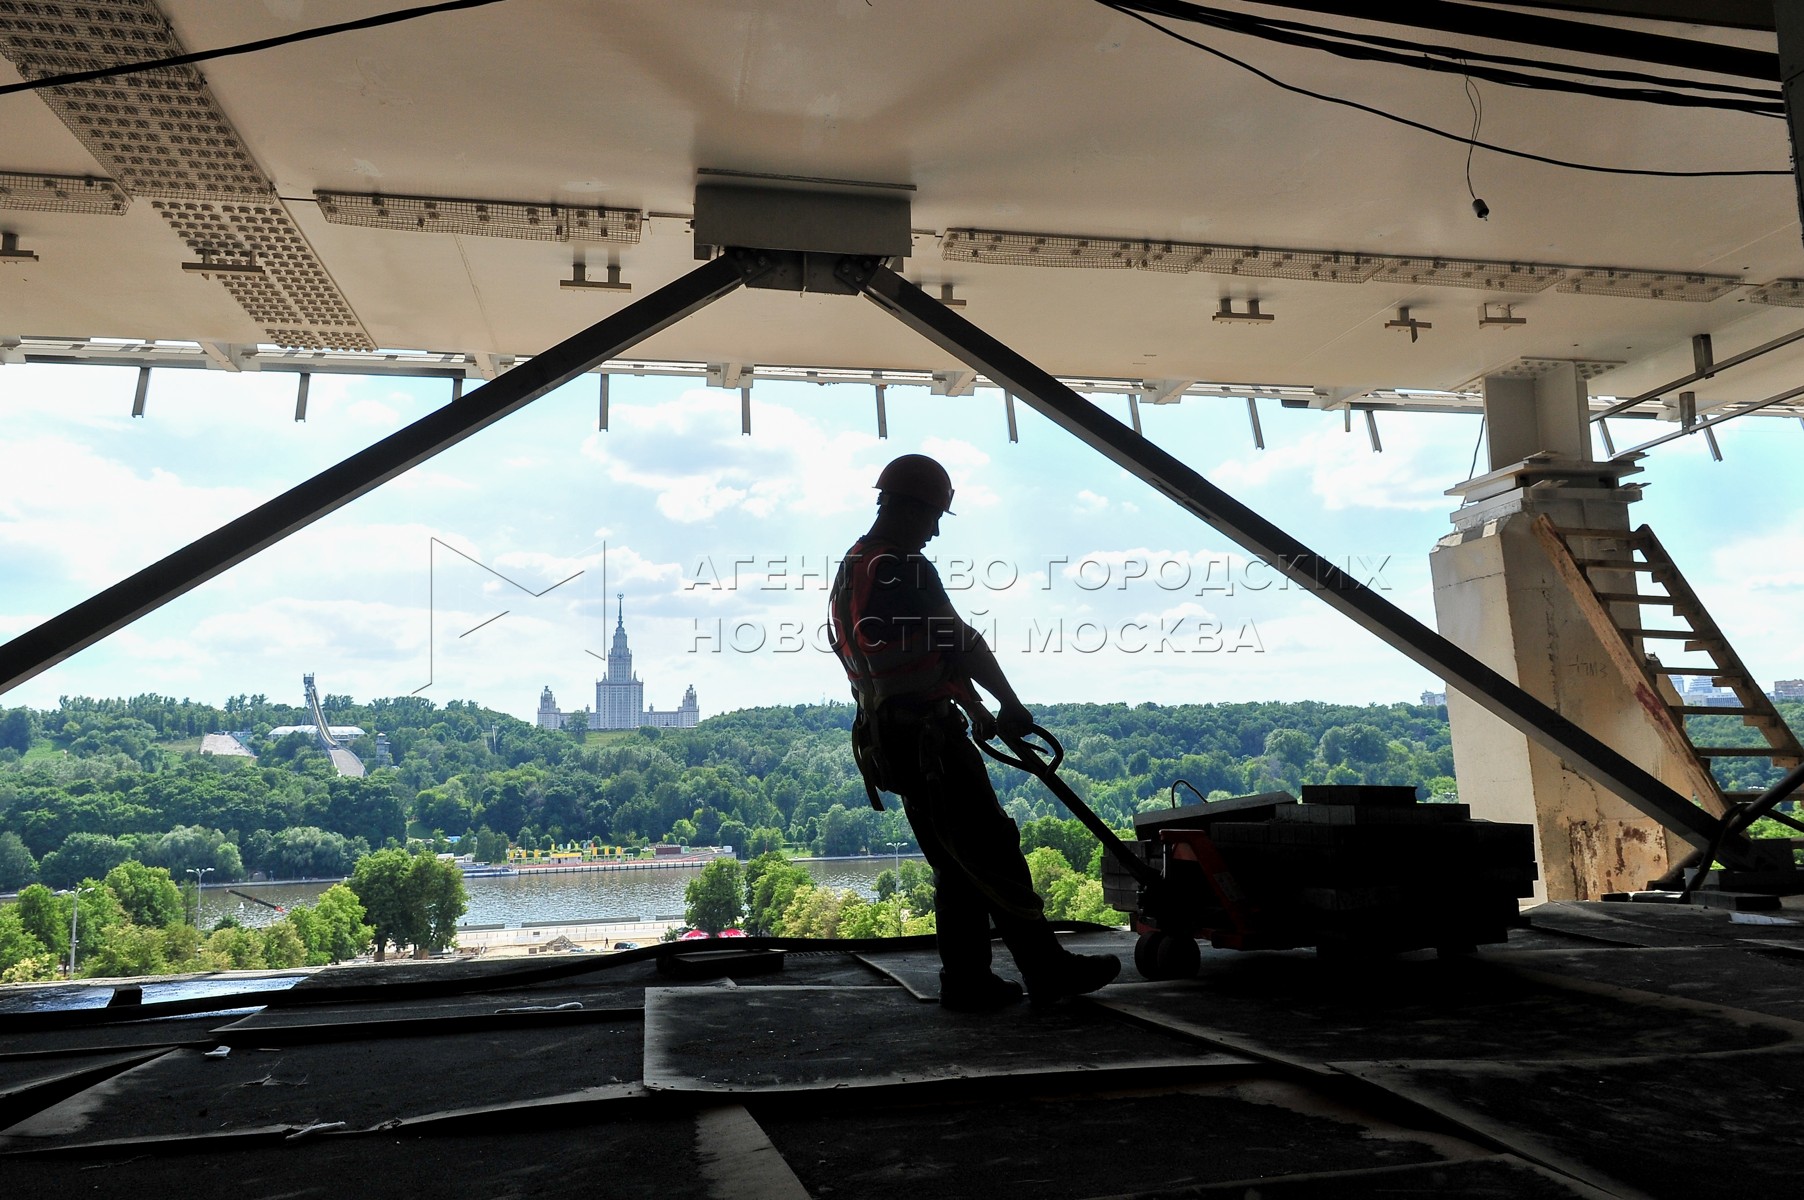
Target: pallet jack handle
x=1043 y=762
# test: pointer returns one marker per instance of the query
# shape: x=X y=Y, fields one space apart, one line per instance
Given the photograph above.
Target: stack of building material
x=1348 y=868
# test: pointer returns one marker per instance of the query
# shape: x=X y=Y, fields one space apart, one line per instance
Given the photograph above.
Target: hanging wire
x=1294 y=89
x=1472 y=471
x=1478 y=116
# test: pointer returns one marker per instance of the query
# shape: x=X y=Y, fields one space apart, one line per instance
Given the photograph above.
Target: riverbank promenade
x=529 y=936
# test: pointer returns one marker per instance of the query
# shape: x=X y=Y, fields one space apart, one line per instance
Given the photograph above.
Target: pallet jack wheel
x=1162 y=955
x=1146 y=953
x=1178 y=957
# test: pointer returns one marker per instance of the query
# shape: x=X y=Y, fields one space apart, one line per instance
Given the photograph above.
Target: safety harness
x=896 y=672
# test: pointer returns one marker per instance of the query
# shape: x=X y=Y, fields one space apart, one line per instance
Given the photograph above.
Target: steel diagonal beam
x=1371 y=611
x=38 y=649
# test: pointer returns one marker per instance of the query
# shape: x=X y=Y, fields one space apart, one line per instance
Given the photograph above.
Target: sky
x=491 y=571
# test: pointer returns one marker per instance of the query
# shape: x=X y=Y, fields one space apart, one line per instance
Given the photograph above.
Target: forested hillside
x=95 y=782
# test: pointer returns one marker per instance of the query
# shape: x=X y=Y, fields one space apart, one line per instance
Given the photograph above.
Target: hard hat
x=919 y=478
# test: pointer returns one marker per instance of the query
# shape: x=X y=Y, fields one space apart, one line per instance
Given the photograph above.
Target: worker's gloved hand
x=983 y=725
x=1014 y=721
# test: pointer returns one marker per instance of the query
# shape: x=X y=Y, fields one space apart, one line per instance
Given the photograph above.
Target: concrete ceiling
x=1062 y=117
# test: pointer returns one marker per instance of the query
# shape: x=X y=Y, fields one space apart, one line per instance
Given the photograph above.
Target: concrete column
x=1498 y=597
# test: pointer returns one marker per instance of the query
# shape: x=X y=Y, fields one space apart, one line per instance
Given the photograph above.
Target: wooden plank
x=1615 y=564
x=1632 y=667
x=1634 y=537
x=1772 y=752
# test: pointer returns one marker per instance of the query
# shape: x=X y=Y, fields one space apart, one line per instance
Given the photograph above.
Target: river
x=547 y=899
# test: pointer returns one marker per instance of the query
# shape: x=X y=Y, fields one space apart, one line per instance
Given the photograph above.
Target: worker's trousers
x=971 y=844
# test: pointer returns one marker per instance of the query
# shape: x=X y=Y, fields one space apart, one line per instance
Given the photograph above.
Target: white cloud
x=1343 y=472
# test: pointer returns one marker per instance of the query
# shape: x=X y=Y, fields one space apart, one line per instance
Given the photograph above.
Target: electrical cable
x=303 y=35
x=1125 y=11
x=1764 y=103
x=1462 y=55
x=1472 y=471
x=1478 y=116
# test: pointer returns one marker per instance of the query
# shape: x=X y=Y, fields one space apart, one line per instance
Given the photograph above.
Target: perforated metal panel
x=161 y=135
x=1038 y=250
x=1788 y=293
x=1061 y=250
x=1470 y=273
x=1648 y=285
x=62 y=193
x=481 y=218
x=1332 y=266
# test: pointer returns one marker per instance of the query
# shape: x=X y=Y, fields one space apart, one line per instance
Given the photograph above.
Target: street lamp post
x=896 y=849
x=74 y=915
x=200 y=878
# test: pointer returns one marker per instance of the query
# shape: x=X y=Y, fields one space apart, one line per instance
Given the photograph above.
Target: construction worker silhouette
x=912 y=662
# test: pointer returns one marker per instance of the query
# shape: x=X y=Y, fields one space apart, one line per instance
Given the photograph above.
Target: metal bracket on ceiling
x=1494 y=314
x=229 y=356
x=300 y=397
x=730 y=375
x=882 y=413
x=488 y=364
x=954 y=383
x=1406 y=322
x=1164 y=391
x=10 y=252
x=142 y=395
x=579 y=279
x=11 y=351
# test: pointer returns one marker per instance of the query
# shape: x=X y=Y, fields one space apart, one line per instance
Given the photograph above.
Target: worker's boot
x=1068 y=974
x=1050 y=971
x=977 y=993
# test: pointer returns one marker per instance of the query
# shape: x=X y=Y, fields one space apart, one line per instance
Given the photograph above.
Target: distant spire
x=620 y=610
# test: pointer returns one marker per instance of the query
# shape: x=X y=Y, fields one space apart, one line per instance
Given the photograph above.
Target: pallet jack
x=1351 y=871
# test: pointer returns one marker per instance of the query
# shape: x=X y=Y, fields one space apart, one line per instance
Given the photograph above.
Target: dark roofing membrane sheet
x=1696 y=1126
x=1310 y=1011
x=781 y=1039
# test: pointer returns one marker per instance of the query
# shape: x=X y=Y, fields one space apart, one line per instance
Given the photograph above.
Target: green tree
x=914 y=885
x=845 y=831
x=17 y=946
x=1046 y=865
x=146 y=894
x=771 y=883
x=82 y=856
x=127 y=949
x=283 y=946
x=235 y=948
x=712 y=899
x=409 y=899
x=16 y=729
x=812 y=912
x=17 y=866
x=335 y=927
x=1068 y=837
x=41 y=916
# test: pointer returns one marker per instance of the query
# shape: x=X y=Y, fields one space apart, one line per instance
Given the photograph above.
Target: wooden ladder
x=1638 y=554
